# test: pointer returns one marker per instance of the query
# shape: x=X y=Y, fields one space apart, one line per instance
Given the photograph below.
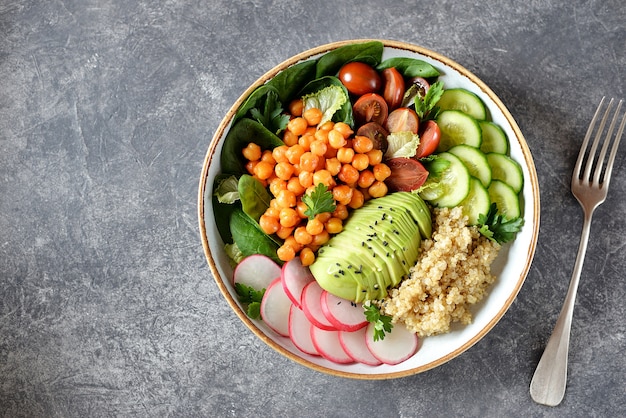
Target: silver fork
x=590 y=189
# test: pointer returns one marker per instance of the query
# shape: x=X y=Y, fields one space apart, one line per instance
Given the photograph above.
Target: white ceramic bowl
x=511 y=266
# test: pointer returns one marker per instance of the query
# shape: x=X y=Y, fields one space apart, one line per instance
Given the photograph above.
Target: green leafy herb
x=425 y=106
x=252 y=298
x=319 y=201
x=497 y=227
x=382 y=323
x=272 y=116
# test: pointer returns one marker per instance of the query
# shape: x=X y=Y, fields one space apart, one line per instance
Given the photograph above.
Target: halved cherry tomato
x=393 y=87
x=376 y=133
x=402 y=119
x=406 y=174
x=359 y=78
x=430 y=134
x=370 y=107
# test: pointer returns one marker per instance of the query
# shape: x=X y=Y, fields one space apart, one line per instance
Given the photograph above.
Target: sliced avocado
x=376 y=249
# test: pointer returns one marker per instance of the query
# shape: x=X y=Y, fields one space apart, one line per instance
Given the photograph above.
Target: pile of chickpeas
x=348 y=165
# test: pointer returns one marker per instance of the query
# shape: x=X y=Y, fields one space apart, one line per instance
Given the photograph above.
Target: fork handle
x=548 y=383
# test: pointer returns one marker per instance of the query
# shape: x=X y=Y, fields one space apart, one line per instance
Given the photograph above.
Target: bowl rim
x=226 y=121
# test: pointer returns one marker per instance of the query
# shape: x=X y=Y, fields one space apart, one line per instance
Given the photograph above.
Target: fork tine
x=618 y=138
x=594 y=146
x=583 y=147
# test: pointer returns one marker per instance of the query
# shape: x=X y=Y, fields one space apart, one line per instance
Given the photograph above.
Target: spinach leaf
x=289 y=81
x=240 y=135
x=344 y=114
x=368 y=52
x=250 y=238
x=255 y=198
x=410 y=67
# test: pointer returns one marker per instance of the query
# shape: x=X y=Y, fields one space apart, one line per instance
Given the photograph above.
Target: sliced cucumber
x=475 y=161
x=494 y=138
x=506 y=169
x=452 y=187
x=505 y=198
x=458 y=128
x=477 y=202
x=463 y=100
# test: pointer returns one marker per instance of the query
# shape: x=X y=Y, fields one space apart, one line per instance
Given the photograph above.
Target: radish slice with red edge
x=328 y=345
x=312 y=306
x=398 y=345
x=300 y=331
x=341 y=313
x=256 y=271
x=295 y=277
x=275 y=307
x=353 y=342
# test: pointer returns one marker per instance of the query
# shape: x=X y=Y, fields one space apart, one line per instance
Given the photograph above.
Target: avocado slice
x=376 y=249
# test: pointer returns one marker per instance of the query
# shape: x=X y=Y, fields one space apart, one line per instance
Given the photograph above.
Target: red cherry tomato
x=402 y=119
x=370 y=107
x=406 y=174
x=376 y=133
x=429 y=138
x=360 y=78
x=393 y=87
x=422 y=85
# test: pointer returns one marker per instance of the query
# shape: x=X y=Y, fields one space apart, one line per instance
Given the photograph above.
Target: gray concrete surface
x=107 y=306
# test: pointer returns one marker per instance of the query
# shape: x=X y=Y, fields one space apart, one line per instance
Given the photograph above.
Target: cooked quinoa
x=452 y=273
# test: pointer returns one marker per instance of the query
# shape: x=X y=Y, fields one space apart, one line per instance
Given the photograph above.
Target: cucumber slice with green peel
x=457 y=128
x=463 y=100
x=505 y=198
x=475 y=161
x=506 y=169
x=477 y=201
x=452 y=187
x=494 y=138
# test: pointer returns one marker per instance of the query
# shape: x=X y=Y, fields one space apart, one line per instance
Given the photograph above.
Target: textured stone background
x=107 y=108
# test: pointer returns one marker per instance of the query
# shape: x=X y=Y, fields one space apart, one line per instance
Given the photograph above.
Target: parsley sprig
x=271 y=116
x=382 y=323
x=252 y=298
x=497 y=227
x=425 y=106
x=319 y=201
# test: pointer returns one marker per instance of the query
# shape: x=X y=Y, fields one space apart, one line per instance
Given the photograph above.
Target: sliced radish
x=397 y=346
x=275 y=307
x=256 y=271
x=328 y=345
x=312 y=307
x=295 y=277
x=300 y=331
x=353 y=342
x=341 y=313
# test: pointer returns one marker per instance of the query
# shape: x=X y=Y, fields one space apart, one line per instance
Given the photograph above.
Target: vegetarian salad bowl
x=369 y=209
